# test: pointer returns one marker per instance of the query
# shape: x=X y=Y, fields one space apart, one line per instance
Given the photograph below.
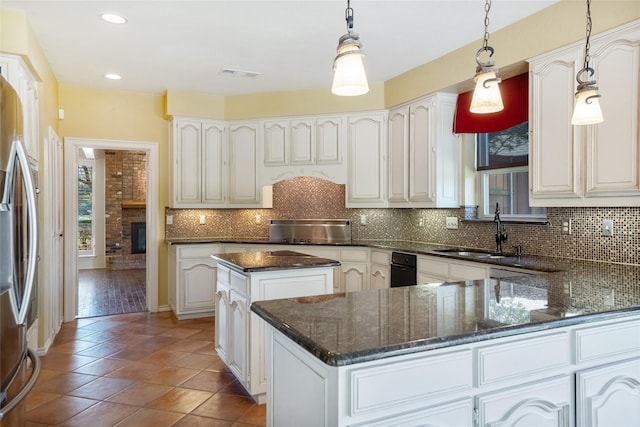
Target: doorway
x=112 y=194
x=73 y=160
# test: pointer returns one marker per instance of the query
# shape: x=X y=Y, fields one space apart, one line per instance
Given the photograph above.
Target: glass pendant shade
x=349 y=78
x=587 y=112
x=486 y=97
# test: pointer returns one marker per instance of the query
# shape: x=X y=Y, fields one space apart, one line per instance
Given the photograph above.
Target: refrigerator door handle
x=18 y=154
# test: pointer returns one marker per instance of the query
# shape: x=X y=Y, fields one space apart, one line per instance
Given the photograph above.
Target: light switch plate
x=202 y=219
x=607 y=227
x=169 y=220
x=452 y=222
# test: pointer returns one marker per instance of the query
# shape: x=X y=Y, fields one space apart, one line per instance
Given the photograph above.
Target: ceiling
x=182 y=45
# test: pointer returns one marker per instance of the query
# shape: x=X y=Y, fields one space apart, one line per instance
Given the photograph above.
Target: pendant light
x=486 y=96
x=349 y=78
x=587 y=109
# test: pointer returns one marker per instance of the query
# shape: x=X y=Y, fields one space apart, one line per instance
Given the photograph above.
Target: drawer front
x=239 y=282
x=433 y=267
x=409 y=383
x=383 y=258
x=523 y=359
x=353 y=255
x=198 y=251
x=619 y=340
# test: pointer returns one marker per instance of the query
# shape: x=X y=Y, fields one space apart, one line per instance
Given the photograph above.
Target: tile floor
x=138 y=370
x=103 y=292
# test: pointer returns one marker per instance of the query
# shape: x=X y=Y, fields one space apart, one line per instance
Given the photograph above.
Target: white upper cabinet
x=367 y=145
x=594 y=165
x=276 y=142
x=399 y=155
x=303 y=146
x=424 y=154
x=244 y=190
x=329 y=140
x=303 y=141
x=23 y=81
x=612 y=146
x=199 y=163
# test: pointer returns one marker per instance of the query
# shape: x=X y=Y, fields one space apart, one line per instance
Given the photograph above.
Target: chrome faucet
x=501 y=230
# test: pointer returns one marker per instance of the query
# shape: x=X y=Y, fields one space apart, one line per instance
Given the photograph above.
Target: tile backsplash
x=307 y=197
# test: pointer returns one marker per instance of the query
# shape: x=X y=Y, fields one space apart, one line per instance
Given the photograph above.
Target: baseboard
x=164 y=308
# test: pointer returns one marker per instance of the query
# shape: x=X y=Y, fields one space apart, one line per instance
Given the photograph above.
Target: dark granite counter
x=347 y=328
x=272 y=260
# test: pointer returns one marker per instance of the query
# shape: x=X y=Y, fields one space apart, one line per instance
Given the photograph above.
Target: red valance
x=515 y=97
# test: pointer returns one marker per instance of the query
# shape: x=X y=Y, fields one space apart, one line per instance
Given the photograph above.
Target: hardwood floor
x=103 y=292
x=139 y=369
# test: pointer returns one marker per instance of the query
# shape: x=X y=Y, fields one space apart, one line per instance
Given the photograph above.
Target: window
x=503 y=173
x=86 y=224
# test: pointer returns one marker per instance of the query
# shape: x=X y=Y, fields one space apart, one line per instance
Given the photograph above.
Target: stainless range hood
x=327 y=231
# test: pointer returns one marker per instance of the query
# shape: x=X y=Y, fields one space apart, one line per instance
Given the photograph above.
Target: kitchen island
x=547 y=350
x=246 y=277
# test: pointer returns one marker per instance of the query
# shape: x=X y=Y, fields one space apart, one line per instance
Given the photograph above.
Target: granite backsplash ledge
x=314 y=198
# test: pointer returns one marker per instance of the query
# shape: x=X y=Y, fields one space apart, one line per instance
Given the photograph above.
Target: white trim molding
x=71 y=145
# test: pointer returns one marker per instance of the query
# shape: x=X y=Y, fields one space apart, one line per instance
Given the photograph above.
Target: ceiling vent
x=240 y=74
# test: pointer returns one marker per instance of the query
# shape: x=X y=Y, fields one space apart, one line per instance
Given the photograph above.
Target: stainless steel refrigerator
x=19 y=366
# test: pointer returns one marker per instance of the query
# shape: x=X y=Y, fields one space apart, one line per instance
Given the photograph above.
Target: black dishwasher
x=403 y=269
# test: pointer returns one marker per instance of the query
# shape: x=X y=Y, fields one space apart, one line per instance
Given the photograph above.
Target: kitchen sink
x=472 y=253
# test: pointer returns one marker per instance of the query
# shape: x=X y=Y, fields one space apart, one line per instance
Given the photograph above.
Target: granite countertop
x=272 y=260
x=346 y=328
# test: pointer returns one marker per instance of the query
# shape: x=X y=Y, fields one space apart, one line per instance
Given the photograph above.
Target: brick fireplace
x=125 y=204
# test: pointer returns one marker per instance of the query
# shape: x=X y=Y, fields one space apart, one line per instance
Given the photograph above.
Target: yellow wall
x=555 y=26
x=193 y=105
x=133 y=116
x=318 y=101
x=17 y=37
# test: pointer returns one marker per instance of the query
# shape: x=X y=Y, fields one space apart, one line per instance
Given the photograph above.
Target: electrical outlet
x=363 y=220
x=451 y=222
x=202 y=219
x=608 y=297
x=566 y=226
x=258 y=219
x=607 y=227
x=420 y=222
x=169 y=219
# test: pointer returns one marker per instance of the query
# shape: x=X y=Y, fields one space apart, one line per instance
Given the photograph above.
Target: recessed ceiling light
x=113 y=18
x=113 y=76
x=230 y=72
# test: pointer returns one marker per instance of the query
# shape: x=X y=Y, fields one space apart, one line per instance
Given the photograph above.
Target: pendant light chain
x=487 y=7
x=587 y=43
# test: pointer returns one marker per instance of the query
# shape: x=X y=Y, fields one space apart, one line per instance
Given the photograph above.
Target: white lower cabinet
x=523 y=380
x=192 y=280
x=354 y=268
x=437 y=269
x=240 y=334
x=543 y=404
x=609 y=396
x=380 y=269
